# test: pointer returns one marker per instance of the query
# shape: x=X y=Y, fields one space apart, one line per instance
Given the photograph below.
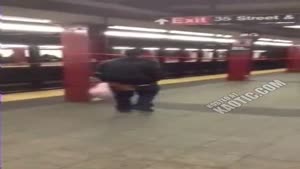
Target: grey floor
x=182 y=134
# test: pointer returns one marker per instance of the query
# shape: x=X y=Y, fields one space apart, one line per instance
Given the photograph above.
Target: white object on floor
x=101 y=90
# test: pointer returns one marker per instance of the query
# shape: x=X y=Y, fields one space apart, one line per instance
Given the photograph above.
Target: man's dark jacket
x=127 y=70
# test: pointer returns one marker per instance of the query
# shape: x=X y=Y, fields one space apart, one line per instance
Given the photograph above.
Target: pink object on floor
x=101 y=90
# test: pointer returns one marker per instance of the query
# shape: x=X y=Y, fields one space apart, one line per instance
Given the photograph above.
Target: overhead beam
x=70 y=18
x=57 y=17
x=114 y=6
x=259 y=6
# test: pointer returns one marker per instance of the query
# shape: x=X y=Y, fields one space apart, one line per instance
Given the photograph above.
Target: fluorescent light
x=191 y=49
x=190 y=38
x=151 y=48
x=275 y=40
x=123 y=48
x=164 y=36
x=26 y=46
x=261 y=43
x=222 y=50
x=207 y=50
x=294 y=26
x=164 y=31
x=265 y=39
x=259 y=51
x=200 y=39
x=138 y=29
x=30 y=28
x=10 y=46
x=81 y=31
x=284 y=41
x=135 y=35
x=224 y=36
x=50 y=47
x=191 y=33
x=23 y=19
x=172 y=49
x=227 y=36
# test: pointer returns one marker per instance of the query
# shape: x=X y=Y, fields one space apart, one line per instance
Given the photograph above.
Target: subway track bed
x=24 y=77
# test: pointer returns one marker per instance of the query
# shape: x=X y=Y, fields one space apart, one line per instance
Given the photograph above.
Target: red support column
x=77 y=69
x=294 y=59
x=240 y=58
x=239 y=65
x=19 y=55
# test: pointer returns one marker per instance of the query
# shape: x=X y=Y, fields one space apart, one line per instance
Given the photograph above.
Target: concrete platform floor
x=182 y=134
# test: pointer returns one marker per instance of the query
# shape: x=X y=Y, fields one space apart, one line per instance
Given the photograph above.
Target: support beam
x=77 y=68
x=294 y=59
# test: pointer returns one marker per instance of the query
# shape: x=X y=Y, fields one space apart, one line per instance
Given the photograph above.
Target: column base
x=76 y=95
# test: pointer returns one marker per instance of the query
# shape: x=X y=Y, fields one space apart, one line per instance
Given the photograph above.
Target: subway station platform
x=183 y=133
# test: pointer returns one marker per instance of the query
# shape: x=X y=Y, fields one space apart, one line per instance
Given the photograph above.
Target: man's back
x=128 y=70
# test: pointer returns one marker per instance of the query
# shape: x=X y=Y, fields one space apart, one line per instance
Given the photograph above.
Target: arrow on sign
x=162 y=21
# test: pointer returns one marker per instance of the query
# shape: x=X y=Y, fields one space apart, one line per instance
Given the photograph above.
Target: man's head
x=134 y=53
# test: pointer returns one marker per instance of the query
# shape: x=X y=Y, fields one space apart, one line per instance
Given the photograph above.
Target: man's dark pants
x=146 y=95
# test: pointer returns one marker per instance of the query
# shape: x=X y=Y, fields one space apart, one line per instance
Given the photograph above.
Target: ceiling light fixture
x=11 y=46
x=284 y=41
x=227 y=36
x=293 y=26
x=190 y=38
x=165 y=36
x=151 y=48
x=259 y=51
x=265 y=39
x=24 y=19
x=191 y=33
x=191 y=49
x=275 y=40
x=50 y=47
x=222 y=50
x=207 y=50
x=123 y=48
x=262 y=43
x=172 y=49
x=200 y=39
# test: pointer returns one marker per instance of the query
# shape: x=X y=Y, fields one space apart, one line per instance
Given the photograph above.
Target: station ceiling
x=151 y=10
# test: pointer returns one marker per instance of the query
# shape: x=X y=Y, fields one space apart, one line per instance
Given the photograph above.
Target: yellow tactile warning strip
x=60 y=92
x=268 y=71
x=192 y=79
x=213 y=77
x=32 y=95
